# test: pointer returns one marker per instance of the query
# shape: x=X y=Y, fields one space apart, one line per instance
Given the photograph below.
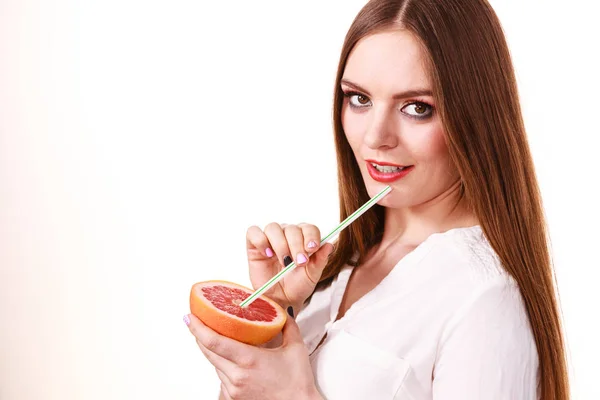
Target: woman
x=443 y=290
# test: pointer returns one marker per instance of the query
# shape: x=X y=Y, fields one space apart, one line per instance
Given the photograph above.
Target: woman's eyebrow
x=401 y=95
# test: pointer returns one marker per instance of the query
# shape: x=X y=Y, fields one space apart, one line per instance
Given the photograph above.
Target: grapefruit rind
x=230 y=325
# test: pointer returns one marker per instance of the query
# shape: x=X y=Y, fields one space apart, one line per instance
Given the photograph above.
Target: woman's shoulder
x=460 y=267
x=472 y=289
x=466 y=254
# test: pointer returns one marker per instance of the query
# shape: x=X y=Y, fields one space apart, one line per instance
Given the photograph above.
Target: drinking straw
x=344 y=224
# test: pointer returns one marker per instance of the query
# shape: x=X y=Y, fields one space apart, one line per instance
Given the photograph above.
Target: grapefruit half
x=216 y=304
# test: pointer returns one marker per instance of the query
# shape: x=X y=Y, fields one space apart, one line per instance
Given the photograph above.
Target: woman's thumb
x=291 y=331
x=318 y=261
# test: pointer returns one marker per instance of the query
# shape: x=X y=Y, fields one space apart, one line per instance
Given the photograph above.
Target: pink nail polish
x=269 y=252
x=312 y=244
x=186 y=319
x=301 y=258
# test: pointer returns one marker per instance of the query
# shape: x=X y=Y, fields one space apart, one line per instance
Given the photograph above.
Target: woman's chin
x=394 y=199
x=390 y=203
x=373 y=187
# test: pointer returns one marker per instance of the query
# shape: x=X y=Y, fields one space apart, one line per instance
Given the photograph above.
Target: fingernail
x=301 y=258
x=287 y=260
x=290 y=311
x=269 y=252
x=186 y=319
x=312 y=244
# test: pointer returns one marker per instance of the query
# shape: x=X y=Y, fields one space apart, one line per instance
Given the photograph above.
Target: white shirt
x=447 y=322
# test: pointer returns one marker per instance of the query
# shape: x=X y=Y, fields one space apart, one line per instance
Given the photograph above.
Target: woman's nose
x=381 y=130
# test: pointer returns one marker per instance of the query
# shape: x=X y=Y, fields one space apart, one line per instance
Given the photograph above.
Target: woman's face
x=389 y=118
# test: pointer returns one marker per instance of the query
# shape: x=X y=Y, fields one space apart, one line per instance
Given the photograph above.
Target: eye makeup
x=354 y=97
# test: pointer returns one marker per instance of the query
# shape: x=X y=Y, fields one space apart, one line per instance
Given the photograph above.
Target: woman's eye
x=417 y=109
x=359 y=100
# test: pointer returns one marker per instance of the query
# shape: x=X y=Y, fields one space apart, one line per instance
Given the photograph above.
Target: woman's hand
x=266 y=253
x=248 y=372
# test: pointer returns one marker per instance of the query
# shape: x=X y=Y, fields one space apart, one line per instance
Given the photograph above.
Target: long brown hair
x=476 y=95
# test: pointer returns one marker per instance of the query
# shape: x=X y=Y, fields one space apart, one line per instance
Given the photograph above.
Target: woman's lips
x=387 y=177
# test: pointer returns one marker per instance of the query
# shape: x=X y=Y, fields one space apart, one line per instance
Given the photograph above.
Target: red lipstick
x=387 y=177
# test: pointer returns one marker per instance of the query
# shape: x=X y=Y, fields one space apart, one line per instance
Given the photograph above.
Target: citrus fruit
x=216 y=304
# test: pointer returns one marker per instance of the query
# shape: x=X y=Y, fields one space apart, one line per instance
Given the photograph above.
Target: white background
x=140 y=139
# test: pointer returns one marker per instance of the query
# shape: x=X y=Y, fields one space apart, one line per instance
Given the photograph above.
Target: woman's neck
x=412 y=225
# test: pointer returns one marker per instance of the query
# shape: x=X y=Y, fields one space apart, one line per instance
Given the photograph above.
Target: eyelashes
x=415 y=109
x=420 y=110
x=358 y=97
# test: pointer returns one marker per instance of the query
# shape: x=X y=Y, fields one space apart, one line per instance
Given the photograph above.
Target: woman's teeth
x=387 y=168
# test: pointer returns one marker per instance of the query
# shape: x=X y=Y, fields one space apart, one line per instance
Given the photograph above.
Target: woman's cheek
x=352 y=128
x=429 y=144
